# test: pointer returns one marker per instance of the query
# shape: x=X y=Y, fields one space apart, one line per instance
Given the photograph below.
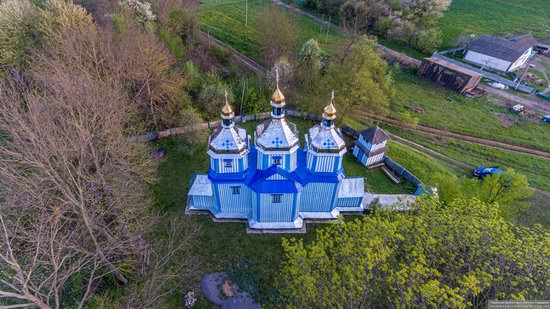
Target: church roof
x=276 y=134
x=326 y=139
x=228 y=140
x=374 y=135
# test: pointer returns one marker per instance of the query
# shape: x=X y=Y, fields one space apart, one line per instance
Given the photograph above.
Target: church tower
x=324 y=144
x=228 y=145
x=276 y=139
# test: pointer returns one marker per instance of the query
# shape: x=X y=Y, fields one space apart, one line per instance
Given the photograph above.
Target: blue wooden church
x=273 y=183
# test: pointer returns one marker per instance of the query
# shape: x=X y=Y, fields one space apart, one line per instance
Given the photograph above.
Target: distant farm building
x=449 y=75
x=370 y=147
x=500 y=54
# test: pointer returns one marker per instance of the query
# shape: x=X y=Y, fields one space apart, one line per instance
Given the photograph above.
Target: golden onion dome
x=330 y=109
x=278 y=96
x=226 y=109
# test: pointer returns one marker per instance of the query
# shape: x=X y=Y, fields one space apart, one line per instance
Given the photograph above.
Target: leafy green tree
x=429 y=40
x=184 y=24
x=457 y=255
x=361 y=79
x=407 y=120
x=279 y=34
x=309 y=66
x=508 y=191
x=24 y=27
x=212 y=94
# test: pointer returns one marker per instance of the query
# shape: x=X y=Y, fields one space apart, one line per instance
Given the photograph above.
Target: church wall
x=356 y=151
x=202 y=202
x=318 y=197
x=323 y=164
x=349 y=202
x=231 y=202
x=231 y=165
x=285 y=211
x=376 y=159
x=287 y=161
x=365 y=143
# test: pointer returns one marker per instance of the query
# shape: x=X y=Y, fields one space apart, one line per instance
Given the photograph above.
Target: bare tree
x=171 y=266
x=64 y=164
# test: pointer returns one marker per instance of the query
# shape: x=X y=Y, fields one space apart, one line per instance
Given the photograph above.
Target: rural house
x=500 y=54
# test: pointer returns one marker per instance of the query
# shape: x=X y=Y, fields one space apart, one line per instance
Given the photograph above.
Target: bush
x=211 y=97
x=429 y=40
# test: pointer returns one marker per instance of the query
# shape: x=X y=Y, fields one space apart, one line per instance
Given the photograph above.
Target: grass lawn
x=451 y=111
x=536 y=169
x=226 y=20
x=495 y=17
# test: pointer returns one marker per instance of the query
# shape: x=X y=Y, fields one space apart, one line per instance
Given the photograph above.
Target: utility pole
x=246 y=13
x=245 y=83
x=322 y=22
x=208 y=34
x=328 y=27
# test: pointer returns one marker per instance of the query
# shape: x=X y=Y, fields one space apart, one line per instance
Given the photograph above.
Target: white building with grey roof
x=499 y=54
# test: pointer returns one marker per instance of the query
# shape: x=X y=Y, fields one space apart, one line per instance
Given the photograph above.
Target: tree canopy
x=456 y=255
x=361 y=79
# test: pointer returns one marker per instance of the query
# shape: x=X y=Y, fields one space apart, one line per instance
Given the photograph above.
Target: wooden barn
x=449 y=75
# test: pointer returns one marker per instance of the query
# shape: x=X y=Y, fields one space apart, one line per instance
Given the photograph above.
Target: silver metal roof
x=228 y=139
x=201 y=186
x=326 y=139
x=352 y=187
x=276 y=134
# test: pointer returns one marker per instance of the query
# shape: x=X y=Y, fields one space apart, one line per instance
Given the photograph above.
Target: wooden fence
x=151 y=136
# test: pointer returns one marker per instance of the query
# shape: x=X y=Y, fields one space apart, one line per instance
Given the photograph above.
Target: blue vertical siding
x=318 y=197
x=276 y=212
x=233 y=203
x=203 y=202
x=349 y=202
x=237 y=165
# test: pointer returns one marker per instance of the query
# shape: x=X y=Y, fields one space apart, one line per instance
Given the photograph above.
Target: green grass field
x=536 y=169
x=495 y=17
x=451 y=111
x=226 y=20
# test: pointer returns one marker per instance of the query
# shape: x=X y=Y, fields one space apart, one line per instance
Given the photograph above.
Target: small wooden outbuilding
x=449 y=75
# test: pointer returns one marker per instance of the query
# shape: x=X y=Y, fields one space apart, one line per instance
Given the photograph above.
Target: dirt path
x=464 y=137
x=532 y=103
x=456 y=164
